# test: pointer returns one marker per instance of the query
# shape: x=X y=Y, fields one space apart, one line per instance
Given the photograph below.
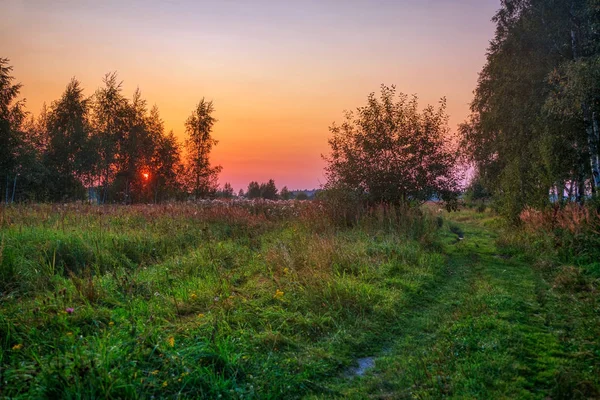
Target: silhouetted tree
x=268 y=190
x=285 y=193
x=253 y=191
x=68 y=131
x=226 y=191
x=110 y=125
x=393 y=153
x=167 y=167
x=301 y=196
x=202 y=176
x=12 y=115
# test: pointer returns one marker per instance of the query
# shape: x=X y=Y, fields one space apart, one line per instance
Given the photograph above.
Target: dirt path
x=489 y=329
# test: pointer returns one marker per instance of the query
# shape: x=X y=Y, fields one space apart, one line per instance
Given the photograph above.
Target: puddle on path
x=364 y=364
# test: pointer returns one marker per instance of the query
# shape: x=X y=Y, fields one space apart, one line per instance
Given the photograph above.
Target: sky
x=279 y=72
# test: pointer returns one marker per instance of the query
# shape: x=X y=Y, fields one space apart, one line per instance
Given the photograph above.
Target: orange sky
x=279 y=72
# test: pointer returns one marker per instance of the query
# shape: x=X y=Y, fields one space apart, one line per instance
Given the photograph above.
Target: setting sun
x=278 y=78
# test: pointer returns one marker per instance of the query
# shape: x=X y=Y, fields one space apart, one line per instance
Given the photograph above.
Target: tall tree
x=532 y=129
x=199 y=125
x=166 y=167
x=253 y=191
x=110 y=115
x=285 y=193
x=269 y=190
x=68 y=131
x=12 y=115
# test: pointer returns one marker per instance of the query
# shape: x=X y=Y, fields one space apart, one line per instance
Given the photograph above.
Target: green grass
x=492 y=327
x=193 y=302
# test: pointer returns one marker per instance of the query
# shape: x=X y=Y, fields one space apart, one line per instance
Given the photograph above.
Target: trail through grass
x=493 y=327
x=262 y=303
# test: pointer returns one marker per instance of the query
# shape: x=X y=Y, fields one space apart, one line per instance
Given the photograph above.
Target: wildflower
x=171 y=341
x=111 y=323
x=155 y=372
x=200 y=315
x=278 y=294
x=286 y=270
x=164 y=384
x=193 y=296
x=17 y=346
x=69 y=310
x=69 y=333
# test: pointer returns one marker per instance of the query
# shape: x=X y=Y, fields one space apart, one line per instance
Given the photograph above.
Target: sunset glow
x=279 y=73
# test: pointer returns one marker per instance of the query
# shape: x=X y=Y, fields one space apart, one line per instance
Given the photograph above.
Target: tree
x=11 y=116
x=199 y=125
x=253 y=191
x=166 y=167
x=285 y=193
x=393 y=153
x=110 y=113
x=68 y=131
x=268 y=190
x=536 y=105
x=136 y=149
x=226 y=191
x=302 y=196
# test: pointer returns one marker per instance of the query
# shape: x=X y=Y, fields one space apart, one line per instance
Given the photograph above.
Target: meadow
x=260 y=299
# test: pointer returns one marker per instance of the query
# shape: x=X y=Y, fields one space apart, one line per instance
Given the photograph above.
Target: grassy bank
x=252 y=301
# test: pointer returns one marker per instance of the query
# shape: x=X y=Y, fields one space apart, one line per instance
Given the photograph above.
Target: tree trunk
x=591 y=124
x=591 y=127
x=560 y=192
x=581 y=190
x=12 y=200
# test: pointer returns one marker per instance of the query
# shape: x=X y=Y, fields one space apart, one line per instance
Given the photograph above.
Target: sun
x=146 y=175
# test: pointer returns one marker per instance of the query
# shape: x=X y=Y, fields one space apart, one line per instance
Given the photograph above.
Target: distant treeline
x=534 y=132
x=105 y=147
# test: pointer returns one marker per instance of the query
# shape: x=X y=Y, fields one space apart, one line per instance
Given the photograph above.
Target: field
x=277 y=300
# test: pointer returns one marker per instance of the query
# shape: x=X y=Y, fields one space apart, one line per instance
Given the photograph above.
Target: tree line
x=532 y=137
x=534 y=130
x=104 y=147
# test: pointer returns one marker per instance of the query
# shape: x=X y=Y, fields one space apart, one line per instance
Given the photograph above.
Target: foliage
x=263 y=190
x=231 y=299
x=226 y=192
x=535 y=106
x=202 y=179
x=571 y=233
x=11 y=117
x=391 y=152
x=68 y=130
x=111 y=145
x=265 y=299
x=301 y=196
x=285 y=193
x=268 y=190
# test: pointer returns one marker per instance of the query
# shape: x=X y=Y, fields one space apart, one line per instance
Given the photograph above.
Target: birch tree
x=202 y=177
